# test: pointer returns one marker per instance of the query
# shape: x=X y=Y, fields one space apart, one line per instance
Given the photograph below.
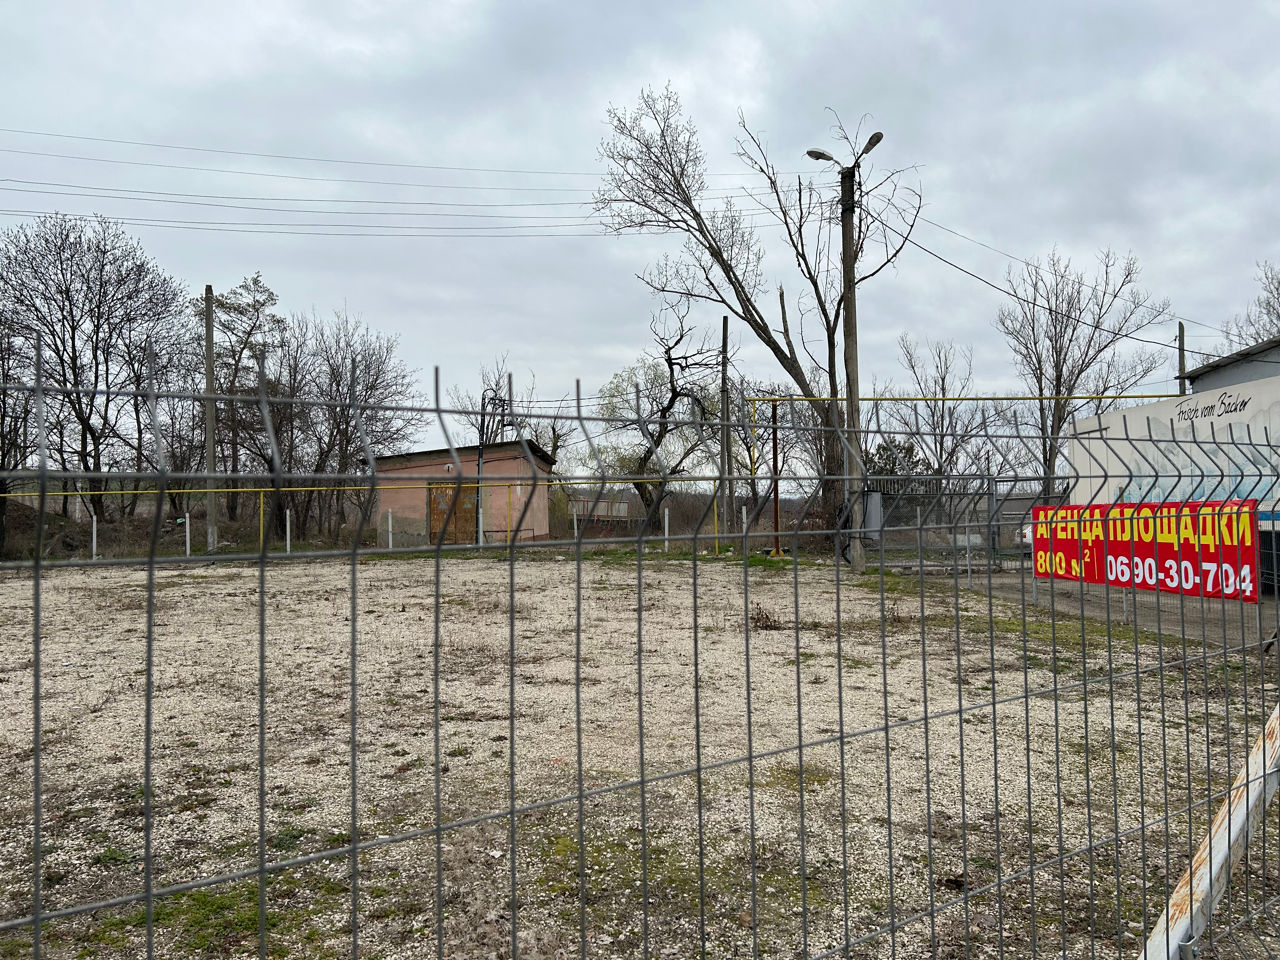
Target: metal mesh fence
x=717 y=739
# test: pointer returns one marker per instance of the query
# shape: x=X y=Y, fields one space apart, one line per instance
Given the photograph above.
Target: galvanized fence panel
x=716 y=739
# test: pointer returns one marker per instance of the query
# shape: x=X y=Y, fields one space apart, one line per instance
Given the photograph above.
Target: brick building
x=418 y=488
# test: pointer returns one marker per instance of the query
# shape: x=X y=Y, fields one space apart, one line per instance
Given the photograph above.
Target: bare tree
x=940 y=422
x=1261 y=319
x=91 y=295
x=17 y=438
x=662 y=407
x=1068 y=335
x=166 y=357
x=552 y=425
x=383 y=395
x=657 y=182
x=549 y=424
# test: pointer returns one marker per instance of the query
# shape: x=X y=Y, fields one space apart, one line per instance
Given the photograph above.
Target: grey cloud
x=1147 y=127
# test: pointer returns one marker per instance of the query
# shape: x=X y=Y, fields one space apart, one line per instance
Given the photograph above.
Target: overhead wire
x=371 y=230
x=344 y=200
x=1170 y=316
x=210 y=227
x=340 y=230
x=311 y=159
x=579 y=219
x=304 y=178
x=1042 y=268
x=1015 y=296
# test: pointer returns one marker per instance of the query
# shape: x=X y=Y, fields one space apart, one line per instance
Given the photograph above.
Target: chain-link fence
x=447 y=727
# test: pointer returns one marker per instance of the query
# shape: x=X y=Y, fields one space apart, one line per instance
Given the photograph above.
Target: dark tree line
x=306 y=364
x=113 y=326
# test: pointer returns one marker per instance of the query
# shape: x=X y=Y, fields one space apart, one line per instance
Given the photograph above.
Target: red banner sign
x=1201 y=548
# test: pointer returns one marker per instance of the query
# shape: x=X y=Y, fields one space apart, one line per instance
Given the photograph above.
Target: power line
x=208 y=227
x=582 y=219
x=288 y=176
x=346 y=200
x=365 y=230
x=1009 y=293
x=340 y=230
x=272 y=209
x=312 y=179
x=310 y=159
x=1038 y=267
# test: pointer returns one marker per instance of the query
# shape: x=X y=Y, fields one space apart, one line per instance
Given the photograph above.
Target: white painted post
x=390 y=536
x=574 y=514
x=1192 y=902
x=288 y=531
x=968 y=553
x=186 y=527
x=666 y=528
x=744 y=520
x=93 y=537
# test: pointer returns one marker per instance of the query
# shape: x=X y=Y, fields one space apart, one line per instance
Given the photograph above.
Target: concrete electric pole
x=210 y=425
x=850 y=197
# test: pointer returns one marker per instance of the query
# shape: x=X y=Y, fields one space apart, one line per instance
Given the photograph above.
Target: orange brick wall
x=508 y=483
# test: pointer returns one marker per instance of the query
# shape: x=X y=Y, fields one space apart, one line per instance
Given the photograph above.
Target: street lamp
x=850 y=194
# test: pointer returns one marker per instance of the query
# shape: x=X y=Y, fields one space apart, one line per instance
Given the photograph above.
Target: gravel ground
x=1000 y=808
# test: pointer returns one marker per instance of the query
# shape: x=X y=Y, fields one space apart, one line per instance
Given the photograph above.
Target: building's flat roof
x=1231 y=358
x=508 y=446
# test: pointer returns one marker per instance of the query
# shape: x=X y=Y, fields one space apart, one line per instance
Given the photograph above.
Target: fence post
x=390 y=535
x=968 y=553
x=288 y=530
x=186 y=526
x=93 y=537
x=744 y=521
x=666 y=528
x=262 y=530
x=715 y=524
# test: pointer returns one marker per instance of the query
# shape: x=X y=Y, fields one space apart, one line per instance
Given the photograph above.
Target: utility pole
x=210 y=425
x=850 y=187
x=1182 y=358
x=848 y=267
x=724 y=421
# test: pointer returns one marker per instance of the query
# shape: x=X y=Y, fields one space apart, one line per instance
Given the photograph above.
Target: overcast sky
x=1146 y=127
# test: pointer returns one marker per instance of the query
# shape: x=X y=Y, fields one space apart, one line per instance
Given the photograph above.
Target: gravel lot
x=1073 y=764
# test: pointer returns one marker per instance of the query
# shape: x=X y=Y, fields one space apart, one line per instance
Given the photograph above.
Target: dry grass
x=1072 y=763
